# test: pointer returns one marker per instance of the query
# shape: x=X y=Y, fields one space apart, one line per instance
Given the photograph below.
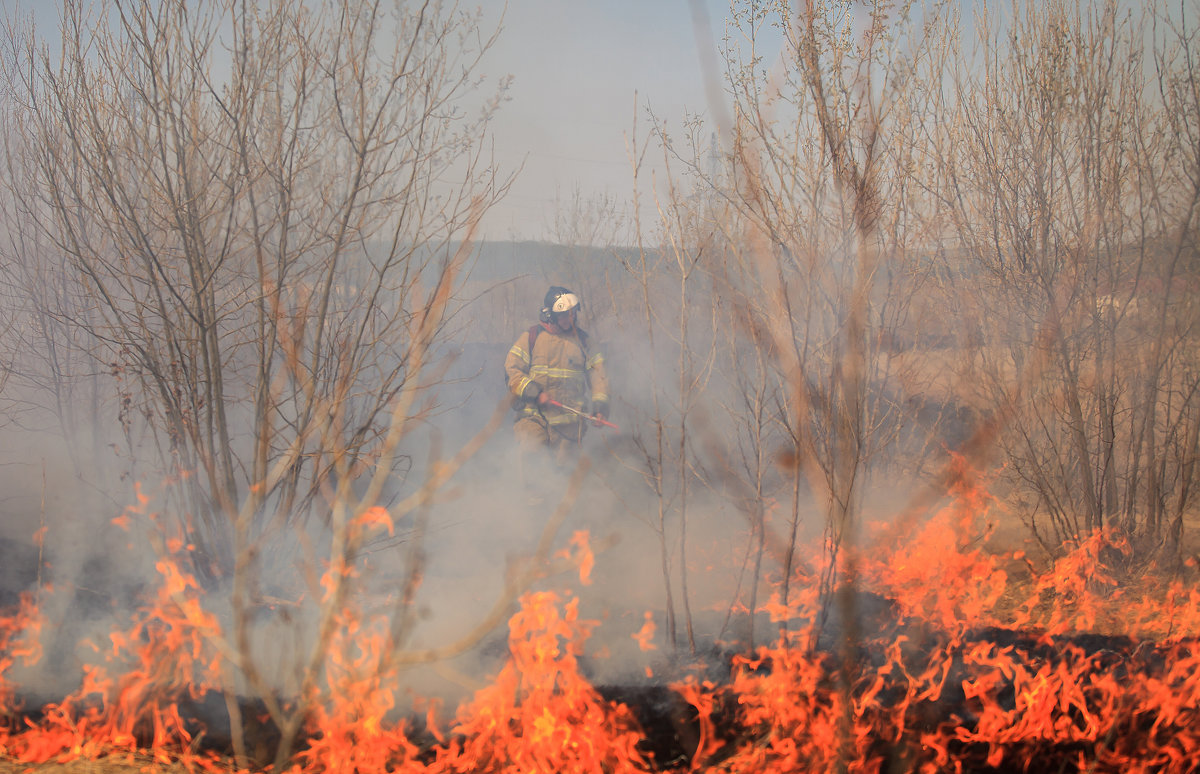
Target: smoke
x=459 y=553
x=61 y=545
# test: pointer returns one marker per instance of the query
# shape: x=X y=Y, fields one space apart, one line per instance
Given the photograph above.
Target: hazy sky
x=581 y=69
x=576 y=66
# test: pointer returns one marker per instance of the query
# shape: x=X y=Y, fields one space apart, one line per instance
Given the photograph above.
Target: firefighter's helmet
x=567 y=302
x=558 y=301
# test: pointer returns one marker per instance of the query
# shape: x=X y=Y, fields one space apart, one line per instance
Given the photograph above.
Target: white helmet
x=565 y=303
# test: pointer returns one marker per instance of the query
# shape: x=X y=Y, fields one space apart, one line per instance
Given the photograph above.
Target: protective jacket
x=561 y=365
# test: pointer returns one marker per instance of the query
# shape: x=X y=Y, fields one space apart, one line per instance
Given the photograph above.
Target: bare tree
x=258 y=214
x=822 y=263
x=669 y=285
x=818 y=265
x=251 y=196
x=1073 y=199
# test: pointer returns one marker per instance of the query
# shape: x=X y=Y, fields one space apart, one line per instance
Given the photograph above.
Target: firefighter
x=557 y=378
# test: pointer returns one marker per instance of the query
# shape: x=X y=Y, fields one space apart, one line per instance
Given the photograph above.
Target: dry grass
x=108 y=766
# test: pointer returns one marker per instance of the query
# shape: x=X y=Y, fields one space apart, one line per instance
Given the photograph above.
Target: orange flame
x=541 y=714
x=932 y=694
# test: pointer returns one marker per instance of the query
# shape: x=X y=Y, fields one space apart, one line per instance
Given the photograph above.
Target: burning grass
x=972 y=661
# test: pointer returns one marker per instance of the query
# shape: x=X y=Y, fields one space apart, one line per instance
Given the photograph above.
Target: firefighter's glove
x=533 y=393
x=600 y=409
x=542 y=399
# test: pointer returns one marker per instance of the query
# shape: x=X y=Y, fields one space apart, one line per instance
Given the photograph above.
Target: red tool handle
x=597 y=420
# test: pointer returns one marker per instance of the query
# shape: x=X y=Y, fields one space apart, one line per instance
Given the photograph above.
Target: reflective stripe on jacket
x=560 y=365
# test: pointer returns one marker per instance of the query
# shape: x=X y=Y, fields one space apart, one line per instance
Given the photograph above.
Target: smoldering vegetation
x=263 y=348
